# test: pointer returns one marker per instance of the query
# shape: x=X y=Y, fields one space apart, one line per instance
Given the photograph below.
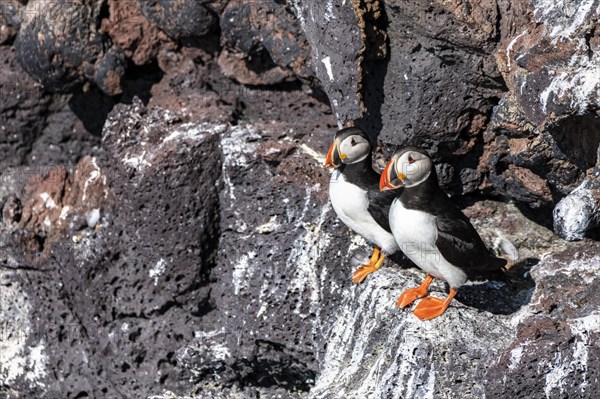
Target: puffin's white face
x=415 y=167
x=354 y=149
x=351 y=149
x=409 y=169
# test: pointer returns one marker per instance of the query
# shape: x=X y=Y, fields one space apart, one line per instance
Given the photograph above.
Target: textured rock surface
x=263 y=43
x=429 y=84
x=548 y=122
x=335 y=40
x=143 y=263
x=37 y=128
x=23 y=109
x=128 y=28
x=273 y=311
x=553 y=63
x=556 y=351
x=181 y=18
x=579 y=212
x=482 y=346
x=146 y=262
x=9 y=20
x=272 y=337
x=59 y=45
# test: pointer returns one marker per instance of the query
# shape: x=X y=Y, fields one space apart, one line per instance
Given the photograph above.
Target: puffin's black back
x=458 y=241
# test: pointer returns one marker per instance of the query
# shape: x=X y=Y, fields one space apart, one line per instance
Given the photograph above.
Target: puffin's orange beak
x=333 y=158
x=384 y=180
x=388 y=176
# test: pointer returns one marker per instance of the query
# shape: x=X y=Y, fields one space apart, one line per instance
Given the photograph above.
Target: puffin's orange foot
x=409 y=296
x=362 y=273
x=373 y=265
x=430 y=307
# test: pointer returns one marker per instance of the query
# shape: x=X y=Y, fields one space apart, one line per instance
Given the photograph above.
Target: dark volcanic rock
x=335 y=39
x=273 y=273
x=23 y=111
x=162 y=245
x=43 y=330
x=59 y=44
x=556 y=351
x=181 y=18
x=9 y=20
x=551 y=66
x=128 y=287
x=190 y=87
x=437 y=75
x=42 y=129
x=72 y=129
x=263 y=43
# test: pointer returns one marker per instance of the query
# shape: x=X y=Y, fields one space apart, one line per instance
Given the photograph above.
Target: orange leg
x=374 y=264
x=430 y=308
x=411 y=295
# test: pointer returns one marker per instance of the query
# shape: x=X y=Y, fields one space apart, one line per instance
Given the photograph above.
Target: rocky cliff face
x=166 y=230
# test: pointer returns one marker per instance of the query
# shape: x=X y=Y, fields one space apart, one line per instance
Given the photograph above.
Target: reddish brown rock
x=235 y=66
x=59 y=200
x=130 y=29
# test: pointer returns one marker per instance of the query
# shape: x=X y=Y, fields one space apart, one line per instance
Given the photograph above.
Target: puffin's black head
x=351 y=145
x=408 y=167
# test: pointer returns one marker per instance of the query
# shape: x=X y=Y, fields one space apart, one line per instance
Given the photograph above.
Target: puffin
x=356 y=198
x=433 y=233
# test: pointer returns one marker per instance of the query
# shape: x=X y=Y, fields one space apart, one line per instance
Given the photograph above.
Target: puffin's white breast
x=416 y=233
x=351 y=204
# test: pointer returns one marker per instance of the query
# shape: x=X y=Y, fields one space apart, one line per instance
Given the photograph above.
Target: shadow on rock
x=92 y=108
x=375 y=72
x=504 y=297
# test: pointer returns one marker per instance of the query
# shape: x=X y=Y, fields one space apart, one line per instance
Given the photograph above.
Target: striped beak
x=390 y=180
x=333 y=158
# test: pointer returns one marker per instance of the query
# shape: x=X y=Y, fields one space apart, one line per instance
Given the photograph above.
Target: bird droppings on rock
x=538 y=362
x=22 y=349
x=579 y=211
x=158 y=270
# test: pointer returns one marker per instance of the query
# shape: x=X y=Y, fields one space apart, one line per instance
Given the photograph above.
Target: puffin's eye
x=411 y=159
x=353 y=142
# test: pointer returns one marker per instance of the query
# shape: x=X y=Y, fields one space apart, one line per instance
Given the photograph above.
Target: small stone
x=12 y=210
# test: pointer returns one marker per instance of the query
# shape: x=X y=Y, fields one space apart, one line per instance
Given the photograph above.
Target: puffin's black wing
x=379 y=206
x=460 y=244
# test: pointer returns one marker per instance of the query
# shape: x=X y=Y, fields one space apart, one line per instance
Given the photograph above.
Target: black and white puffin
x=432 y=232
x=356 y=198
